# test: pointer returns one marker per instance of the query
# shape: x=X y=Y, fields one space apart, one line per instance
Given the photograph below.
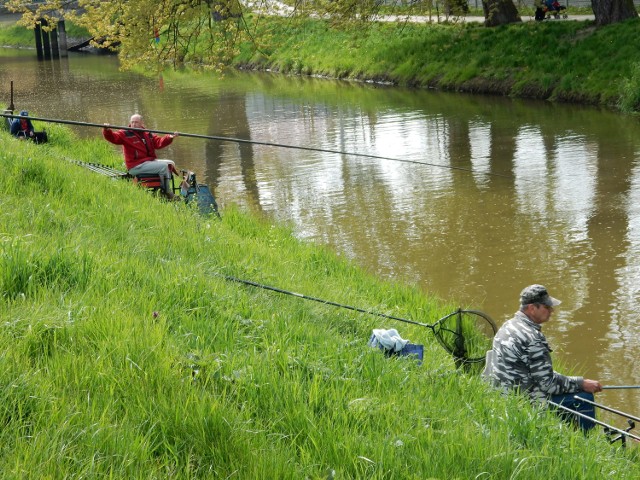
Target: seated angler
x=139 y=148
x=22 y=127
x=520 y=359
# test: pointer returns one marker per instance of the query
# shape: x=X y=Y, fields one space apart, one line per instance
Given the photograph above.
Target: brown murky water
x=502 y=193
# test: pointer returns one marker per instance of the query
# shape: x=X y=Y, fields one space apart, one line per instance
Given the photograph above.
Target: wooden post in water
x=38 y=33
x=6 y=122
x=53 y=34
x=62 y=38
x=11 y=105
x=46 y=45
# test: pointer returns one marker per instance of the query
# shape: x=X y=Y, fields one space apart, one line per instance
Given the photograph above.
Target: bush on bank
x=125 y=354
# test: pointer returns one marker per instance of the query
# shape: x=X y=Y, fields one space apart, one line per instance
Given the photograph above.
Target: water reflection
x=536 y=193
x=479 y=135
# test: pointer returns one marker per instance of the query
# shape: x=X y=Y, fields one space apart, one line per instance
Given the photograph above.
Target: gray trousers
x=158 y=167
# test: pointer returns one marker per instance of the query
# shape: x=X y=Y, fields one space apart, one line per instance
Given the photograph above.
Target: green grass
x=125 y=353
x=563 y=61
x=15 y=35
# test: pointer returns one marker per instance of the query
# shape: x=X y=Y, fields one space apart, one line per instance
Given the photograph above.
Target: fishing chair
x=153 y=181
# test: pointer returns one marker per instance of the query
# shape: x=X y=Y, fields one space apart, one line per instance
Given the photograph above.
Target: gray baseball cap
x=537 y=294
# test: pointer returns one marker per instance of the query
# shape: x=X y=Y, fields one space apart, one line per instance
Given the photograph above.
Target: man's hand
x=591 y=386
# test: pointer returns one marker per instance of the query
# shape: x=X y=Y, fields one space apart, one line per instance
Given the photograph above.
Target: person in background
x=22 y=127
x=554 y=7
x=139 y=149
x=520 y=359
x=540 y=7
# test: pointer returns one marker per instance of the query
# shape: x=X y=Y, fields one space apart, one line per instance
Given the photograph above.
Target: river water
x=492 y=194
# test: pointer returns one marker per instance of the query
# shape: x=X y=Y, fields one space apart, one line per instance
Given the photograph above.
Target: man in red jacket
x=139 y=148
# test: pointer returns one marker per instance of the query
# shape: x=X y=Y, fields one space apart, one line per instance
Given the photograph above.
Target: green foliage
x=15 y=35
x=76 y=31
x=630 y=91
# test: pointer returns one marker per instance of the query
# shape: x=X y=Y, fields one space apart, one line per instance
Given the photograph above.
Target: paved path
x=9 y=17
x=276 y=7
x=471 y=19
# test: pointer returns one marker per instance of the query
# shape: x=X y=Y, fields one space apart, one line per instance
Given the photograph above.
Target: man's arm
x=548 y=380
x=163 y=141
x=111 y=136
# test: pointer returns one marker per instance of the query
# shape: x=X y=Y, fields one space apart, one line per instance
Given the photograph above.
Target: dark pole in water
x=55 y=50
x=11 y=106
x=46 y=46
x=38 y=33
x=62 y=37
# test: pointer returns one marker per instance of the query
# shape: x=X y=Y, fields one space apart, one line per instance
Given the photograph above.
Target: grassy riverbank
x=226 y=381
x=567 y=61
x=562 y=61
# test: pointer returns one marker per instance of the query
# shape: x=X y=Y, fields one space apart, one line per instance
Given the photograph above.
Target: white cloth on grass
x=387 y=339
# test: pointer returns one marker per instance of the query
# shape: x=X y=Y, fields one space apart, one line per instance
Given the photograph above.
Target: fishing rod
x=620 y=387
x=608 y=409
x=254 y=142
x=467 y=339
x=594 y=420
x=326 y=302
x=608 y=429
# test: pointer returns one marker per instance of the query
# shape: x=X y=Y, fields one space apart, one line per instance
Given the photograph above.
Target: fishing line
x=254 y=142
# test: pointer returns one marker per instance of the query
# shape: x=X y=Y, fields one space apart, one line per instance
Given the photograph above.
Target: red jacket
x=138 y=147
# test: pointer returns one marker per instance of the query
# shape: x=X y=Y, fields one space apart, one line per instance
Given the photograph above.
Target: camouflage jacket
x=521 y=359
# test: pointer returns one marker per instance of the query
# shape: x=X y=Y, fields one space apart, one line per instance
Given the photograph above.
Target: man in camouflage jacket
x=521 y=357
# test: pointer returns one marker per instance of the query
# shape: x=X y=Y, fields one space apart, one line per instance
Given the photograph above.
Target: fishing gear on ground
x=587 y=416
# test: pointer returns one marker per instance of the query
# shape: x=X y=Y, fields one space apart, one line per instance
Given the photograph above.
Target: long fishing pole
x=452 y=338
x=608 y=409
x=254 y=142
x=620 y=387
x=326 y=302
x=594 y=420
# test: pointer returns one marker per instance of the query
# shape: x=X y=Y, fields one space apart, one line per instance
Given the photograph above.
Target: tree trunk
x=612 y=11
x=501 y=12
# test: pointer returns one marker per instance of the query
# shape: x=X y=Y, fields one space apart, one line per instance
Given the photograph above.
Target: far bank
x=561 y=61
x=558 y=61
